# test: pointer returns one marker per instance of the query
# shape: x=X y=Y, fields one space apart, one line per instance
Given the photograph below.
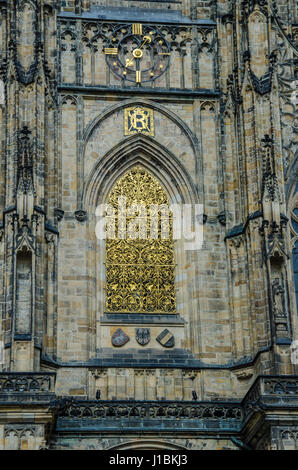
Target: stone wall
x=224 y=137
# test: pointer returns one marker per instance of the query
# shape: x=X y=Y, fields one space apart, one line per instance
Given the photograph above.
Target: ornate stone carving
x=263 y=84
x=152 y=410
x=15 y=434
x=25 y=240
x=190 y=373
x=59 y=213
x=279 y=306
x=222 y=218
x=25 y=162
x=208 y=106
x=278 y=298
x=33 y=382
x=150 y=372
x=139 y=372
x=81 y=215
x=287 y=438
x=50 y=238
x=281 y=386
x=269 y=175
x=244 y=374
x=98 y=373
x=27 y=42
x=257 y=6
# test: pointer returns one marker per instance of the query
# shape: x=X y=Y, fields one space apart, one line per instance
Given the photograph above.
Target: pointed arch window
x=140 y=271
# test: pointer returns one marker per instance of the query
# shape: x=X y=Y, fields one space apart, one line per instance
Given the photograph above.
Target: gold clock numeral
x=137 y=28
x=111 y=50
x=138 y=76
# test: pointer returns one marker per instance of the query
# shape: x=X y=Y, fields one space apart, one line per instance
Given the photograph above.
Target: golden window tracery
x=140 y=273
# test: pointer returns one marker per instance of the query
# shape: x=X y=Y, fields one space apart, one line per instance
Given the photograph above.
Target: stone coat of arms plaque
x=166 y=339
x=119 y=338
x=143 y=336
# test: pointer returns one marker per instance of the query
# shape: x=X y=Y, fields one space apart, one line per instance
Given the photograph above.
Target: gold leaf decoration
x=140 y=272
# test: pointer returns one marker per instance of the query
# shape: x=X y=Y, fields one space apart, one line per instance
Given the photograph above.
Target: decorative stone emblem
x=244 y=374
x=59 y=213
x=143 y=336
x=119 y=338
x=166 y=339
x=81 y=215
x=222 y=218
x=138 y=120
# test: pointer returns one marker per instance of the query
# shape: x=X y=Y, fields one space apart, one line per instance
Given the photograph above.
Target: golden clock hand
x=146 y=39
x=138 y=71
x=137 y=53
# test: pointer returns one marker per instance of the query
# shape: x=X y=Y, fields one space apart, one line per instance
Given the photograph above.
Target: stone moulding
x=153 y=410
x=268 y=394
x=270 y=390
x=14 y=382
x=119 y=416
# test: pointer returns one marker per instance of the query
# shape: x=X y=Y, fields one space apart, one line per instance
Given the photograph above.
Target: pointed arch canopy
x=147 y=444
x=145 y=151
x=143 y=102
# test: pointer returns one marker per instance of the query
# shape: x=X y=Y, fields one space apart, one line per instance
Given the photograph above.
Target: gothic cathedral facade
x=148 y=343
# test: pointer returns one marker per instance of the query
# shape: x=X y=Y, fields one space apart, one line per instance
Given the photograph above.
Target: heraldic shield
x=143 y=336
x=119 y=338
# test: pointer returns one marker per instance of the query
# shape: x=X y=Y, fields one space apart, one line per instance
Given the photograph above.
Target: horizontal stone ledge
x=140 y=318
x=160 y=426
x=168 y=17
x=189 y=361
x=139 y=91
x=26 y=399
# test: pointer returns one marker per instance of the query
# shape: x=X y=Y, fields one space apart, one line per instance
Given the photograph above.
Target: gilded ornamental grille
x=140 y=272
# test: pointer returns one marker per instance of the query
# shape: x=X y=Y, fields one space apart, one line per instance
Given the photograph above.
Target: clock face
x=137 y=53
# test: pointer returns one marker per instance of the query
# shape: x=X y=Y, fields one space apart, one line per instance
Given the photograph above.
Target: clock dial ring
x=140 y=57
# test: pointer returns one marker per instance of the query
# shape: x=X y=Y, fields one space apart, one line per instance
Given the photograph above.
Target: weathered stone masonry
x=224 y=136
